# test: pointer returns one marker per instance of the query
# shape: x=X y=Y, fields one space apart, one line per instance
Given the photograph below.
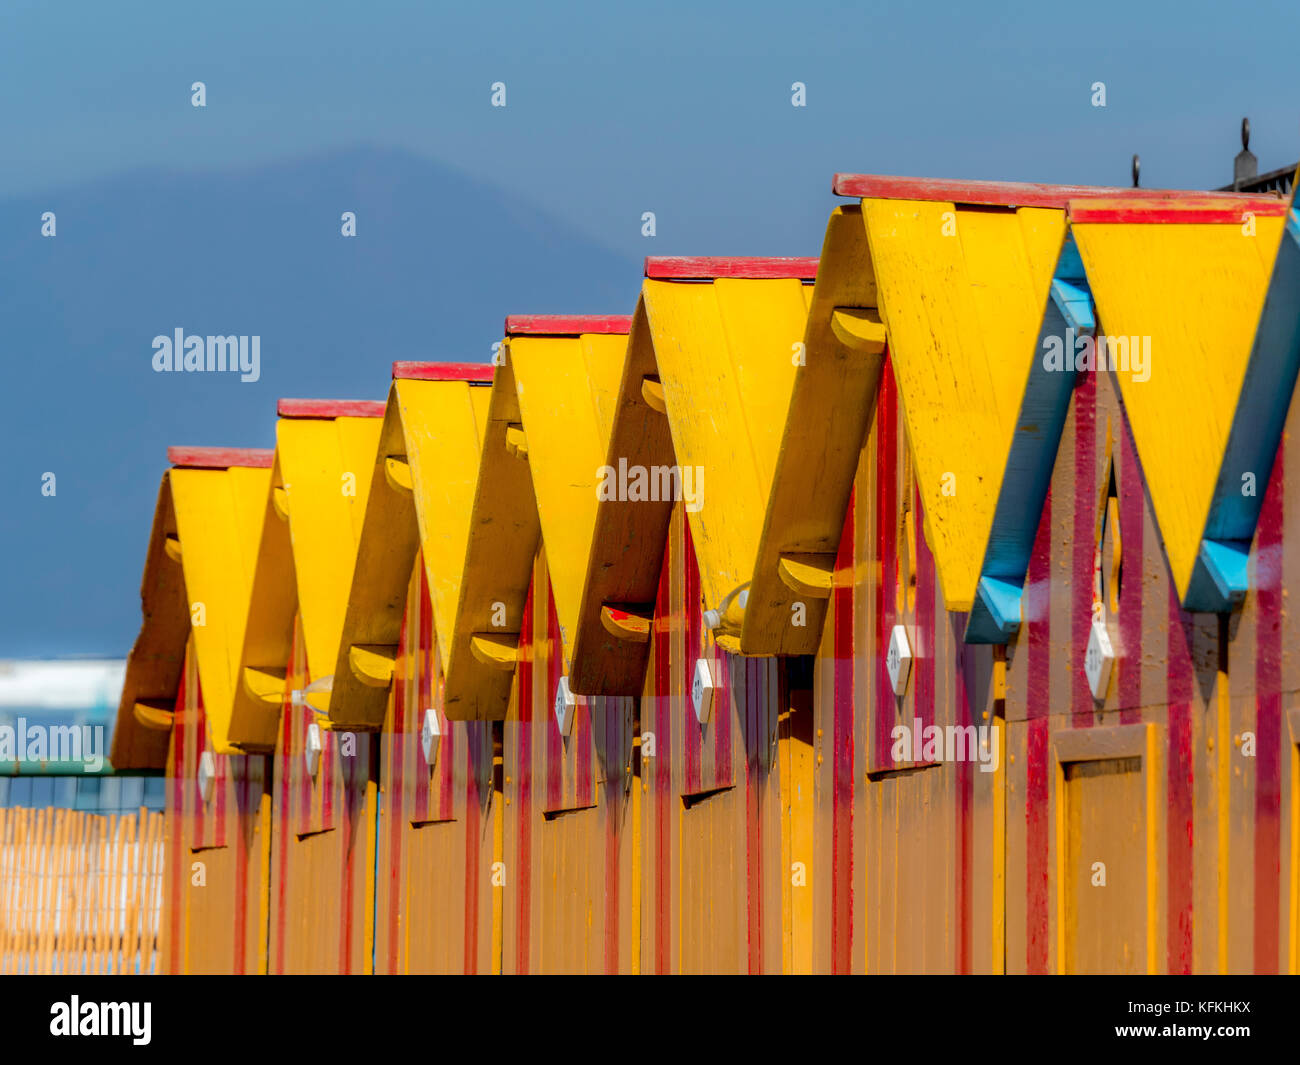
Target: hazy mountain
x=437 y=262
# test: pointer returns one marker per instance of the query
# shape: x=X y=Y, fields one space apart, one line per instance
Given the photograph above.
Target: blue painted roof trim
x=995 y=615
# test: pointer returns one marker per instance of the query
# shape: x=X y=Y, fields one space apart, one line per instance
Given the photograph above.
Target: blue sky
x=679 y=108
x=225 y=219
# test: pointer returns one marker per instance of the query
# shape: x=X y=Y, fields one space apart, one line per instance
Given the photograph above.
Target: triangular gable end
x=153 y=668
x=836 y=375
x=312 y=517
x=567 y=378
x=562 y=371
x=421 y=484
x=218 y=495
x=962 y=289
x=1207 y=290
x=611 y=642
x=728 y=335
x=1026 y=293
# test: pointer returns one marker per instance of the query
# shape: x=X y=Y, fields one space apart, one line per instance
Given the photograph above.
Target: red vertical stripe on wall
x=1181 y=816
x=692 y=624
x=523 y=873
x=221 y=764
x=1038 y=702
x=842 y=743
x=1085 y=540
x=965 y=800
x=242 y=767
x=726 y=722
x=200 y=736
x=302 y=719
x=583 y=741
x=886 y=552
x=348 y=865
x=927 y=638
x=330 y=771
x=1268 y=723
x=448 y=752
x=396 y=794
x=282 y=817
x=554 y=767
x=448 y=745
x=1132 y=507
x=177 y=817
x=477 y=735
x=424 y=693
x=662 y=763
x=754 y=696
x=613 y=802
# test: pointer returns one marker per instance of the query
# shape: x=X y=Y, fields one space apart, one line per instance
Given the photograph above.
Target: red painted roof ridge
x=1188 y=211
x=709 y=268
x=330 y=408
x=564 y=325
x=1001 y=193
x=443 y=371
x=220 y=458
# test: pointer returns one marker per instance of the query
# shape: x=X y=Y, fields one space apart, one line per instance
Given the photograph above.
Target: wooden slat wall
x=322 y=857
x=80 y=892
x=569 y=897
x=437 y=828
x=1225 y=875
x=757 y=843
x=902 y=880
x=216 y=878
x=712 y=842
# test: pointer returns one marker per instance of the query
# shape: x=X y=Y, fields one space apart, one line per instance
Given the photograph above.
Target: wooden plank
x=433 y=426
x=962 y=293
x=327 y=467
x=154 y=664
x=567 y=389
x=330 y=408
x=272 y=604
x=1184 y=210
x=706 y=268
x=831 y=400
x=1182 y=401
x=443 y=430
x=996 y=193
x=474 y=372
x=627 y=543
x=219 y=515
x=498 y=562
x=220 y=458
x=727 y=348
x=567 y=325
